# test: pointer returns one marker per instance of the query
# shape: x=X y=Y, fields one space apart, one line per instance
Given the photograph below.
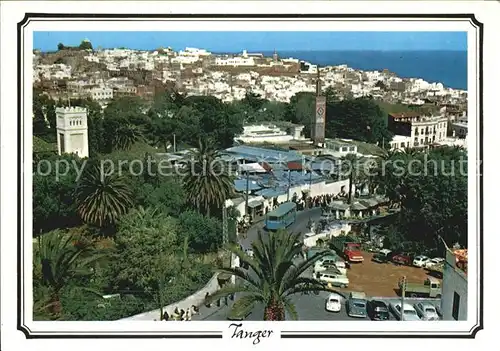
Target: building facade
x=423 y=131
x=454 y=294
x=72 y=131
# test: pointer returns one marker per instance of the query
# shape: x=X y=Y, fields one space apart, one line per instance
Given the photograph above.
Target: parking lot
x=381 y=279
x=309 y=308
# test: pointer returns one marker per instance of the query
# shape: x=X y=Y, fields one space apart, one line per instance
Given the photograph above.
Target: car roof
x=427 y=304
x=378 y=303
x=359 y=295
x=334 y=295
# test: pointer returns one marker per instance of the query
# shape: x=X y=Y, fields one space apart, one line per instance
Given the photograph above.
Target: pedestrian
x=207 y=300
x=166 y=317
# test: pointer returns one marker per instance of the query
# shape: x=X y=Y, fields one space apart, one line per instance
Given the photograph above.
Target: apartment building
x=422 y=130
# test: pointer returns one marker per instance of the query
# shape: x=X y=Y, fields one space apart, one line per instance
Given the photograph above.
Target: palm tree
x=126 y=136
x=64 y=257
x=351 y=165
x=102 y=196
x=207 y=181
x=273 y=276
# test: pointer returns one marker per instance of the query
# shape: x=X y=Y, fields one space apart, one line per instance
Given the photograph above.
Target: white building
x=454 y=286
x=234 y=61
x=72 y=131
x=269 y=133
x=340 y=148
x=101 y=93
x=422 y=130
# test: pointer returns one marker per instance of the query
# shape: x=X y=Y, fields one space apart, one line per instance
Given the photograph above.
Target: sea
x=446 y=67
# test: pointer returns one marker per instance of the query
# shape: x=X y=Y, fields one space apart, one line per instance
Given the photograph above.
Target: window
x=351 y=148
x=456 y=306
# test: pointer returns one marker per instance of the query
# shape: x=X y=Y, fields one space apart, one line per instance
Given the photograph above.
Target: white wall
x=453 y=281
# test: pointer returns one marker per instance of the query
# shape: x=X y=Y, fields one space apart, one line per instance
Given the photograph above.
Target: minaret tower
x=72 y=131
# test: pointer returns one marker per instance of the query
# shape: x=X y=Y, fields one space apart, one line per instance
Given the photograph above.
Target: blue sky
x=259 y=41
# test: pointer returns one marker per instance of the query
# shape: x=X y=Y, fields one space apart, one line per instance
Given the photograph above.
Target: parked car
x=377 y=310
x=403 y=259
x=434 y=262
x=333 y=278
x=409 y=312
x=382 y=256
x=330 y=262
x=420 y=261
x=356 y=305
x=426 y=311
x=333 y=303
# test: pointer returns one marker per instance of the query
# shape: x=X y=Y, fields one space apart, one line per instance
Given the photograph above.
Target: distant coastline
x=448 y=67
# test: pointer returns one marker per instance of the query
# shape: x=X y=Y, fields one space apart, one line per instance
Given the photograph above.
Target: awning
x=255 y=203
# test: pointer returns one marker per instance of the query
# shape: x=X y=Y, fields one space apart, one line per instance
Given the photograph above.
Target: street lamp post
x=403 y=291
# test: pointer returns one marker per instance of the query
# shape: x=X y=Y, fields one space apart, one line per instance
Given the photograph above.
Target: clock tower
x=318 y=125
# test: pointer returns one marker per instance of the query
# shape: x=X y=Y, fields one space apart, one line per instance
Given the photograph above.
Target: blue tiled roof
x=265 y=155
x=241 y=185
x=271 y=192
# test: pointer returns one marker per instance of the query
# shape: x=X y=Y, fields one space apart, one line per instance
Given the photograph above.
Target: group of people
x=180 y=315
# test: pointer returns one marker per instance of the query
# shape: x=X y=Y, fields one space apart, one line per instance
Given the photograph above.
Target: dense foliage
x=431 y=189
x=155 y=239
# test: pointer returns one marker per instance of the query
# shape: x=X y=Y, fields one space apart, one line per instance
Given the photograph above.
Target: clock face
x=320 y=113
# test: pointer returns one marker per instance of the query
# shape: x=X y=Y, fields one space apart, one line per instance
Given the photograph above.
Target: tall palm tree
x=126 y=136
x=63 y=258
x=273 y=276
x=102 y=196
x=207 y=181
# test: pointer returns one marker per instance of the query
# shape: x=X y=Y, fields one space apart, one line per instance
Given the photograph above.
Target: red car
x=403 y=258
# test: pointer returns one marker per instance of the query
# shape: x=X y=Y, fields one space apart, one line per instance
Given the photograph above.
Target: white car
x=434 y=262
x=409 y=312
x=420 y=261
x=426 y=311
x=332 y=278
x=334 y=303
x=323 y=265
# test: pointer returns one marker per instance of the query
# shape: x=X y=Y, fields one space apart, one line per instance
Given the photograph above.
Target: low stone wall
x=196 y=299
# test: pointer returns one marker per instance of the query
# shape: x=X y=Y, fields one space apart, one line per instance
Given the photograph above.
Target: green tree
x=207 y=181
x=102 y=196
x=40 y=127
x=273 y=277
x=86 y=45
x=167 y=195
x=301 y=110
x=60 y=46
x=64 y=259
x=205 y=233
x=360 y=119
x=54 y=185
x=144 y=235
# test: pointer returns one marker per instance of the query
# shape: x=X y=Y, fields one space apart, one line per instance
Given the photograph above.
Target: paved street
x=309 y=307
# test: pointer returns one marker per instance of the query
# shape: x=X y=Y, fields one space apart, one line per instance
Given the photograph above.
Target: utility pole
x=403 y=291
x=289 y=185
x=247 y=190
x=175 y=145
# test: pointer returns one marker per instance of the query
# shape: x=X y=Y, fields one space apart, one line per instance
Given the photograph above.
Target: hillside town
x=299 y=153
